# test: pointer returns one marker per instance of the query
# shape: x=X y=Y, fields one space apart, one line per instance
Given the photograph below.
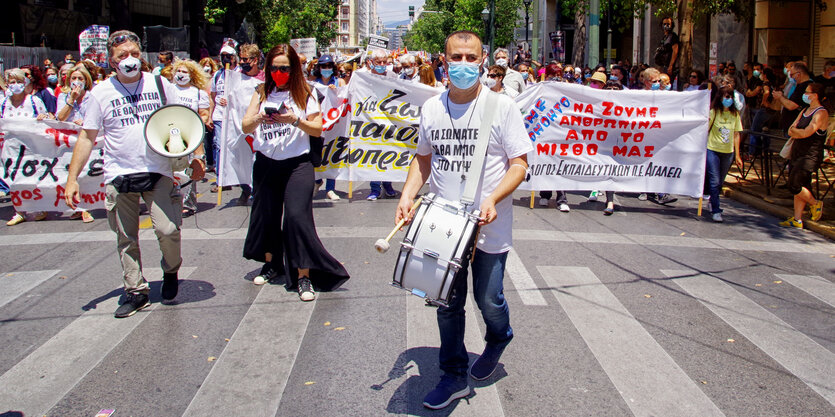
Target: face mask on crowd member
x=182 y=77
x=16 y=87
x=727 y=102
x=463 y=74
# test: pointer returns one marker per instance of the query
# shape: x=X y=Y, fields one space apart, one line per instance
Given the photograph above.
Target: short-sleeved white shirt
x=218 y=87
x=447 y=128
x=26 y=109
x=193 y=97
x=280 y=141
x=120 y=112
x=78 y=110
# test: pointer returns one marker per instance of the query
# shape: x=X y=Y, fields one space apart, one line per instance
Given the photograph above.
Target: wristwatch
x=296 y=123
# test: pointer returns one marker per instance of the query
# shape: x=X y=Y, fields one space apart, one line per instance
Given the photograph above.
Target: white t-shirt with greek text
x=120 y=112
x=449 y=132
x=193 y=97
x=280 y=141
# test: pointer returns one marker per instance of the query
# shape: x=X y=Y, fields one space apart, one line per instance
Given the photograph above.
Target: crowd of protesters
x=755 y=99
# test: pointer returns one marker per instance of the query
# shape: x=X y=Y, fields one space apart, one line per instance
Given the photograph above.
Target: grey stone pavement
x=649 y=312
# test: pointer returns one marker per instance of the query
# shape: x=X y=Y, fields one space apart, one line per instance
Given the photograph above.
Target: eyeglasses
x=493 y=75
x=283 y=68
x=118 y=40
x=694 y=76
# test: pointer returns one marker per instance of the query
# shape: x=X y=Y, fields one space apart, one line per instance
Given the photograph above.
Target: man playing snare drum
x=449 y=120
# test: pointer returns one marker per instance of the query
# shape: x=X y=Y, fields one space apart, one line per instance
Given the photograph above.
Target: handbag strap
x=472 y=183
x=161 y=90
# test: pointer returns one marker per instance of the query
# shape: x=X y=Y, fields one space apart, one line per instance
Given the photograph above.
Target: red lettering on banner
x=61 y=136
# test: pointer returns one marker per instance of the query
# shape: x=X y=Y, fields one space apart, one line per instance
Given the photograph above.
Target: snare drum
x=437 y=245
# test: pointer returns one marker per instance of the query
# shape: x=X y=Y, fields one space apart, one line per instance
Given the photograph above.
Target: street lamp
x=489 y=16
x=527 y=17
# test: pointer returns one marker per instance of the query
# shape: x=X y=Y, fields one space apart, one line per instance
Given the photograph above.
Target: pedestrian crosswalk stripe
x=812 y=245
x=15 y=284
x=648 y=379
x=522 y=281
x=422 y=330
x=249 y=377
x=810 y=362
x=815 y=286
x=36 y=383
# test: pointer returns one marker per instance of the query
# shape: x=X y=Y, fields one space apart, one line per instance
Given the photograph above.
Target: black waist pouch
x=139 y=182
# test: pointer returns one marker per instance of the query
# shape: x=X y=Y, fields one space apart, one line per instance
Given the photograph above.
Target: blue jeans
x=375 y=187
x=216 y=146
x=3 y=186
x=330 y=184
x=717 y=165
x=488 y=291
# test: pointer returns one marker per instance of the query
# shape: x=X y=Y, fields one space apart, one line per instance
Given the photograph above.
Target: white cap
x=228 y=50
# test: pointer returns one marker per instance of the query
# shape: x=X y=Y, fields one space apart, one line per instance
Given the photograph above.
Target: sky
x=396 y=10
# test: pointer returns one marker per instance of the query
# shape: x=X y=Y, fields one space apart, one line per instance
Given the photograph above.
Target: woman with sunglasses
x=495 y=81
x=281 y=228
x=808 y=133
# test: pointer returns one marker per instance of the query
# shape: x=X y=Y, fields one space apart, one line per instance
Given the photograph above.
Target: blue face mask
x=380 y=69
x=614 y=78
x=807 y=99
x=831 y=74
x=727 y=102
x=524 y=75
x=326 y=73
x=756 y=73
x=785 y=71
x=668 y=87
x=52 y=79
x=463 y=75
x=655 y=86
x=792 y=81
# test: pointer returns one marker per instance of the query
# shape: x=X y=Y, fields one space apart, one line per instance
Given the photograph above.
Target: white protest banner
x=377 y=42
x=236 y=156
x=377 y=132
x=306 y=46
x=35 y=159
x=633 y=141
x=92 y=44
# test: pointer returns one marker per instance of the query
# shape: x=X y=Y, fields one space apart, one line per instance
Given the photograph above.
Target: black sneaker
x=306 y=292
x=133 y=303
x=267 y=273
x=447 y=391
x=170 y=284
x=243 y=200
x=486 y=364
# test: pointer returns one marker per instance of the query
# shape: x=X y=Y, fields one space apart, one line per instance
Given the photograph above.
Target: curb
x=757 y=202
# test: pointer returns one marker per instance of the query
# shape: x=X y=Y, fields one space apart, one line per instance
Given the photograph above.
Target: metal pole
x=527 y=22
x=594 y=33
x=492 y=28
x=609 y=35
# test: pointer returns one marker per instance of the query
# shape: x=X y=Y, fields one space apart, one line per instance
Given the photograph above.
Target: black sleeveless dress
x=807 y=153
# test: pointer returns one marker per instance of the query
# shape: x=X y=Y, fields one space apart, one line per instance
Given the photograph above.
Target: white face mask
x=16 y=88
x=129 y=66
x=182 y=78
x=207 y=70
x=501 y=62
x=490 y=82
x=409 y=71
x=78 y=84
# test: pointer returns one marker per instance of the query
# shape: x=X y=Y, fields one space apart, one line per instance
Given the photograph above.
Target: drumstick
x=382 y=245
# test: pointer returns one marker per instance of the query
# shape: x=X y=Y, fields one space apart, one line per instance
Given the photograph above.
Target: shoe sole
x=470 y=372
x=310 y=297
x=456 y=395
x=134 y=311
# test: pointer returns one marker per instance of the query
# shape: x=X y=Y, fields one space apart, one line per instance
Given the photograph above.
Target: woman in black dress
x=281 y=228
x=808 y=133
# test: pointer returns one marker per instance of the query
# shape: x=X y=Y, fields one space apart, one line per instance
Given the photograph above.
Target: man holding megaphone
x=120 y=107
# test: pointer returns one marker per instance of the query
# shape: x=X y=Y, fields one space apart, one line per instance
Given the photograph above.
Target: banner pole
x=532 y=197
x=225 y=110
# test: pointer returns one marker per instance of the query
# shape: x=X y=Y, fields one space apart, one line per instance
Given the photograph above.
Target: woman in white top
x=18 y=104
x=285 y=115
x=191 y=82
x=72 y=105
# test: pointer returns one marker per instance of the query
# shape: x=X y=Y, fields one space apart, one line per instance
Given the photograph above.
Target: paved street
x=649 y=312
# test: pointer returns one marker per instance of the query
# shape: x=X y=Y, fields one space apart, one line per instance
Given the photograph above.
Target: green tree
x=278 y=21
x=447 y=16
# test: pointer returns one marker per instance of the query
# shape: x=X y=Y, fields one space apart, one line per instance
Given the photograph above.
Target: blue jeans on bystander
x=717 y=165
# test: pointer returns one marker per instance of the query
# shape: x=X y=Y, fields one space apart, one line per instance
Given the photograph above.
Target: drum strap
x=477 y=168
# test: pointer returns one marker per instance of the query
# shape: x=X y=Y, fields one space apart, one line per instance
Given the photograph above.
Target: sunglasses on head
x=118 y=40
x=282 y=68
